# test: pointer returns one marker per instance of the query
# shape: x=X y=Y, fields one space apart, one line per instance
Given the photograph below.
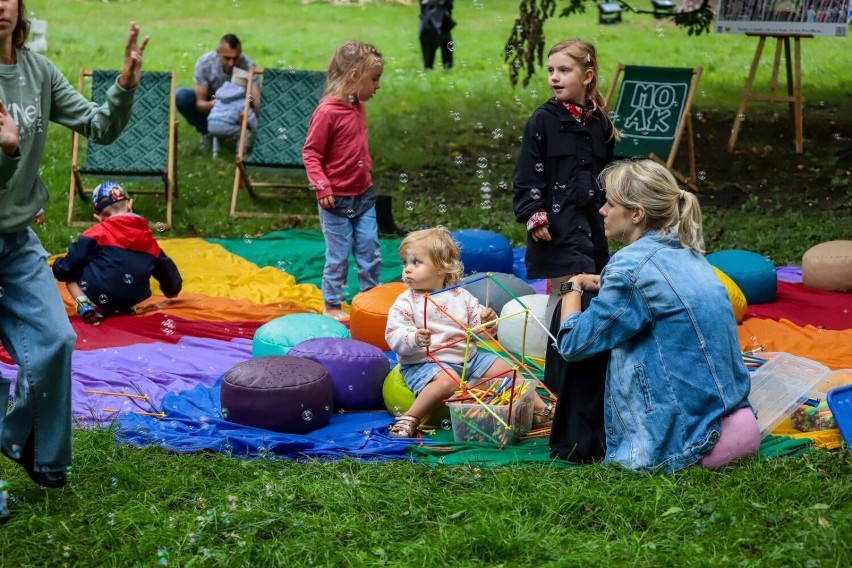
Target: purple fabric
x=153 y=368
x=791 y=274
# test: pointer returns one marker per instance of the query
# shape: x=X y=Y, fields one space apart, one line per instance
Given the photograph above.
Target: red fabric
x=130 y=232
x=121 y=330
x=807 y=306
x=336 y=154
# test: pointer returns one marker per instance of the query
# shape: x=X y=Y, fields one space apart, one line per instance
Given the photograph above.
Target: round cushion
x=368 y=317
x=753 y=273
x=511 y=329
x=399 y=398
x=828 y=266
x=494 y=295
x=280 y=393
x=484 y=251
x=738 y=300
x=357 y=369
x=278 y=336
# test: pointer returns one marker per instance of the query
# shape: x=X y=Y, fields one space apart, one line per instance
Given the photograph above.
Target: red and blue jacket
x=114 y=261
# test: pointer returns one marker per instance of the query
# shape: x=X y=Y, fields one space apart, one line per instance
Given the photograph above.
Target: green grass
x=127 y=506
x=435 y=128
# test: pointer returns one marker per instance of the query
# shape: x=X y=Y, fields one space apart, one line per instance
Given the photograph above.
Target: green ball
x=399 y=398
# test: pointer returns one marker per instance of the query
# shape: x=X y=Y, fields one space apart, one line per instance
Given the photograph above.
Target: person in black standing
x=436 y=21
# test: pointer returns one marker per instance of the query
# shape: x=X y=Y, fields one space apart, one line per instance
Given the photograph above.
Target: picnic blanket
x=169 y=358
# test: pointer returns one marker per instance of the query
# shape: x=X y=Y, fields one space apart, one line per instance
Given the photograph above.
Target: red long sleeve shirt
x=336 y=155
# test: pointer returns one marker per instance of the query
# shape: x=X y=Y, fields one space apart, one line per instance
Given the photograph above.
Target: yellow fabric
x=220 y=286
x=738 y=299
x=828 y=439
x=211 y=270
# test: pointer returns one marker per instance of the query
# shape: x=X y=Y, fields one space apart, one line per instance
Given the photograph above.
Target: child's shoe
x=88 y=313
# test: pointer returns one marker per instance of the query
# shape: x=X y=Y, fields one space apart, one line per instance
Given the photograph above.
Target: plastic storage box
x=474 y=422
x=779 y=386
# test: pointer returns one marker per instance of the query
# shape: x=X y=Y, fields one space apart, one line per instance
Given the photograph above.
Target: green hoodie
x=35 y=92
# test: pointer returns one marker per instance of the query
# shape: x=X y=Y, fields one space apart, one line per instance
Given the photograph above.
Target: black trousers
x=577 y=434
x=430 y=40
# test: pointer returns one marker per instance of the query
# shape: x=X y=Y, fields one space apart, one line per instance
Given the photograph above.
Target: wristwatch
x=570 y=286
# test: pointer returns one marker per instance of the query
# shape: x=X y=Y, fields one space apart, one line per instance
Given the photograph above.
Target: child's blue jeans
x=358 y=235
x=35 y=330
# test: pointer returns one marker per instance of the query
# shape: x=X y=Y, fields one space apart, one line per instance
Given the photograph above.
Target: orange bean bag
x=368 y=317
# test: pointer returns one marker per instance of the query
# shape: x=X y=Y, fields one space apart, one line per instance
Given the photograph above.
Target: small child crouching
x=114 y=260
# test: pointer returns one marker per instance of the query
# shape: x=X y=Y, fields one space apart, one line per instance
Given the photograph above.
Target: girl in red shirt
x=338 y=163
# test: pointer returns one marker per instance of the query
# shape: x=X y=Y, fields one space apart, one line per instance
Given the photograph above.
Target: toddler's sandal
x=404 y=427
x=544 y=417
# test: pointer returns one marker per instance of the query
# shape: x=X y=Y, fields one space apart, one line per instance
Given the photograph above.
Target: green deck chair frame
x=653 y=110
x=145 y=150
x=288 y=100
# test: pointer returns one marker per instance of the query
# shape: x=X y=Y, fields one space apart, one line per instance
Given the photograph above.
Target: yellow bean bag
x=738 y=299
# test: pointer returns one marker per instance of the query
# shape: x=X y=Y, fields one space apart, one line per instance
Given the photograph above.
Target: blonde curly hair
x=441 y=248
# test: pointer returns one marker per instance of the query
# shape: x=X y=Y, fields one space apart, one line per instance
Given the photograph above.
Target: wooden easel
x=794 y=84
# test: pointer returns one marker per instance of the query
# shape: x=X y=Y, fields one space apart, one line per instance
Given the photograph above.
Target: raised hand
x=8 y=131
x=132 y=69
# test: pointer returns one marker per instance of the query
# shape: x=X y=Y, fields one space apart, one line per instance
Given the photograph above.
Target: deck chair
x=288 y=100
x=146 y=150
x=652 y=111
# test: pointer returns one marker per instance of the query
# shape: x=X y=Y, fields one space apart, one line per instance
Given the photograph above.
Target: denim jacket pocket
x=645 y=389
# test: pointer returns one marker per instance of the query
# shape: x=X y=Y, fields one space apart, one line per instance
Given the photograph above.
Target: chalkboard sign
x=650 y=107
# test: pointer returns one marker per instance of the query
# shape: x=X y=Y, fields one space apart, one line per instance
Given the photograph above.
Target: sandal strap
x=405 y=424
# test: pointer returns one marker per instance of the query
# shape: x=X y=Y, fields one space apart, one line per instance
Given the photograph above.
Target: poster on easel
x=807 y=17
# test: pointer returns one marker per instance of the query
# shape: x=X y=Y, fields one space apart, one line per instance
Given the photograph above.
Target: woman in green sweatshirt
x=34 y=328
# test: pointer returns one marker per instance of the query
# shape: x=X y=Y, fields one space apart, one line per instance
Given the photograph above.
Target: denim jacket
x=675 y=367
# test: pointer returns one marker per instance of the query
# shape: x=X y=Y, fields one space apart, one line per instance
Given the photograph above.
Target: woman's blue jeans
x=35 y=330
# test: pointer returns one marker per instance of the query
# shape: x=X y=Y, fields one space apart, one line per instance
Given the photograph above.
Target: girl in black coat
x=566 y=144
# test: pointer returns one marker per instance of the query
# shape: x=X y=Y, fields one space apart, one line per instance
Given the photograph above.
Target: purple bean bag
x=282 y=393
x=357 y=370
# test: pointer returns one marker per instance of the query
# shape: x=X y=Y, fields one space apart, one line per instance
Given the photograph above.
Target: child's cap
x=239 y=77
x=106 y=194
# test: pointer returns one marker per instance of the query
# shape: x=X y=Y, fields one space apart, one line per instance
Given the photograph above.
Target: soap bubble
x=128 y=279
x=307 y=415
x=539 y=167
x=403 y=178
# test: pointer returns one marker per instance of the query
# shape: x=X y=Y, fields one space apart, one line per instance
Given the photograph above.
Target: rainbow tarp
x=156 y=374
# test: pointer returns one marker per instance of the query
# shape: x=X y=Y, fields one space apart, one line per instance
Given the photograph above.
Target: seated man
x=212 y=70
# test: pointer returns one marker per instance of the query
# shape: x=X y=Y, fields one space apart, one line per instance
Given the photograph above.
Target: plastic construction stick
x=474 y=427
x=109 y=393
x=488 y=409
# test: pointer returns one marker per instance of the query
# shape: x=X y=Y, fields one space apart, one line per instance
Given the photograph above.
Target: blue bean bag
x=752 y=272
x=484 y=251
x=278 y=336
x=357 y=370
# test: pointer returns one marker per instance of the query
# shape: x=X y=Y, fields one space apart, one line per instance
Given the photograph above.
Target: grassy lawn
x=445 y=133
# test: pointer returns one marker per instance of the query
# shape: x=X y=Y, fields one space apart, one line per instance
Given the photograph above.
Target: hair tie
x=682 y=193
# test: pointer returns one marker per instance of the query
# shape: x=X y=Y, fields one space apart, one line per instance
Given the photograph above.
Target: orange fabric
x=832 y=348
